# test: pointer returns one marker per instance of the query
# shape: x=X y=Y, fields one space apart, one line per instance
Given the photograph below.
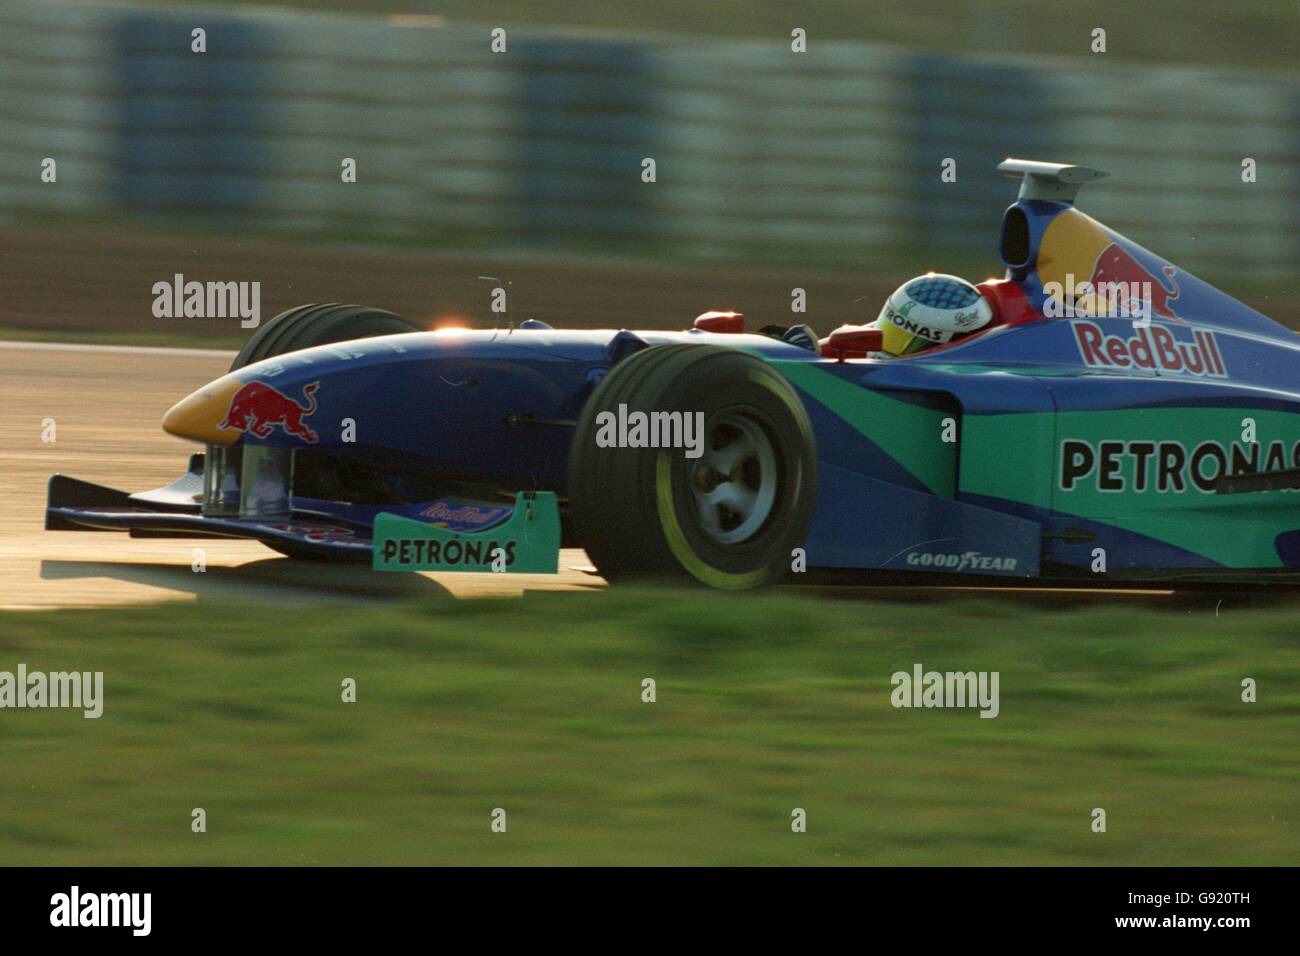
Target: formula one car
x=1064 y=439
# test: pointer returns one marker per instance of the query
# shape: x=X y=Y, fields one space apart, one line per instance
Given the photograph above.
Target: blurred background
x=774 y=169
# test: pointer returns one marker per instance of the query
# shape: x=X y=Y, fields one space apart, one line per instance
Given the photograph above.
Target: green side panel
x=1237 y=531
x=1018 y=457
x=529 y=542
x=1010 y=456
x=910 y=434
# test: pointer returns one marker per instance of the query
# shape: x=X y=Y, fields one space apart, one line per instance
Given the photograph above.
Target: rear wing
x=1057 y=181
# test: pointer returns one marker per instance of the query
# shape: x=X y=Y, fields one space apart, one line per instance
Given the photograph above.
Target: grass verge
x=764 y=703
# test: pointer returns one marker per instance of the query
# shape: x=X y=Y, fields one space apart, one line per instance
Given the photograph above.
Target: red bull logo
x=258 y=407
x=1117 y=267
x=439 y=511
x=1152 y=347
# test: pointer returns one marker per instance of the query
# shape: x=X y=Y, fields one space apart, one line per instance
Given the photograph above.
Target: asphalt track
x=107 y=402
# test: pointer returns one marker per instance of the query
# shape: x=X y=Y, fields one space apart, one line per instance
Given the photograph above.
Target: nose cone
x=200 y=416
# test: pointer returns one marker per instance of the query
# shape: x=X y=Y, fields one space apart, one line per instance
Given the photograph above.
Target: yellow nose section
x=201 y=415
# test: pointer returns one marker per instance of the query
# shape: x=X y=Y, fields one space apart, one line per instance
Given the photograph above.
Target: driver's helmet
x=929 y=310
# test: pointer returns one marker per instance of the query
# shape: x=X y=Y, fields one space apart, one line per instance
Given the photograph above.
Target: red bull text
x=1154 y=348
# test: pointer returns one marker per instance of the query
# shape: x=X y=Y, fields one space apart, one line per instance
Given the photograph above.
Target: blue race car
x=1098 y=414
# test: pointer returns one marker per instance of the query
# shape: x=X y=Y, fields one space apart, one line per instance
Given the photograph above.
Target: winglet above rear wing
x=1057 y=181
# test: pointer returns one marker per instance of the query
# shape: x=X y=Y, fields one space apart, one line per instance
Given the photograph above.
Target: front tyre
x=730 y=517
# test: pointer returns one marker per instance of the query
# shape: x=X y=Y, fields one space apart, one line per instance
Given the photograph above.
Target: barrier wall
x=829 y=157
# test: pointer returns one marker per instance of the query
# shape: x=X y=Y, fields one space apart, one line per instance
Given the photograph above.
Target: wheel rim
x=734 y=482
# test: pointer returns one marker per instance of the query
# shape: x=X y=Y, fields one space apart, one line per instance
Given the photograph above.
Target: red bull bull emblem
x=257 y=407
x=1116 y=266
x=1152 y=347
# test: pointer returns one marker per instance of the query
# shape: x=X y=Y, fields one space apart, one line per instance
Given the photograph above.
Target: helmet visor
x=898 y=341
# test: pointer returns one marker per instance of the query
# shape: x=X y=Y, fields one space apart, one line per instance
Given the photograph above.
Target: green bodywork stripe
x=1028 y=371
x=909 y=434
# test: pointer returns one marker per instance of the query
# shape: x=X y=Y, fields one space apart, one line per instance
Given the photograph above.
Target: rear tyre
x=318 y=324
x=302 y=328
x=728 y=519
